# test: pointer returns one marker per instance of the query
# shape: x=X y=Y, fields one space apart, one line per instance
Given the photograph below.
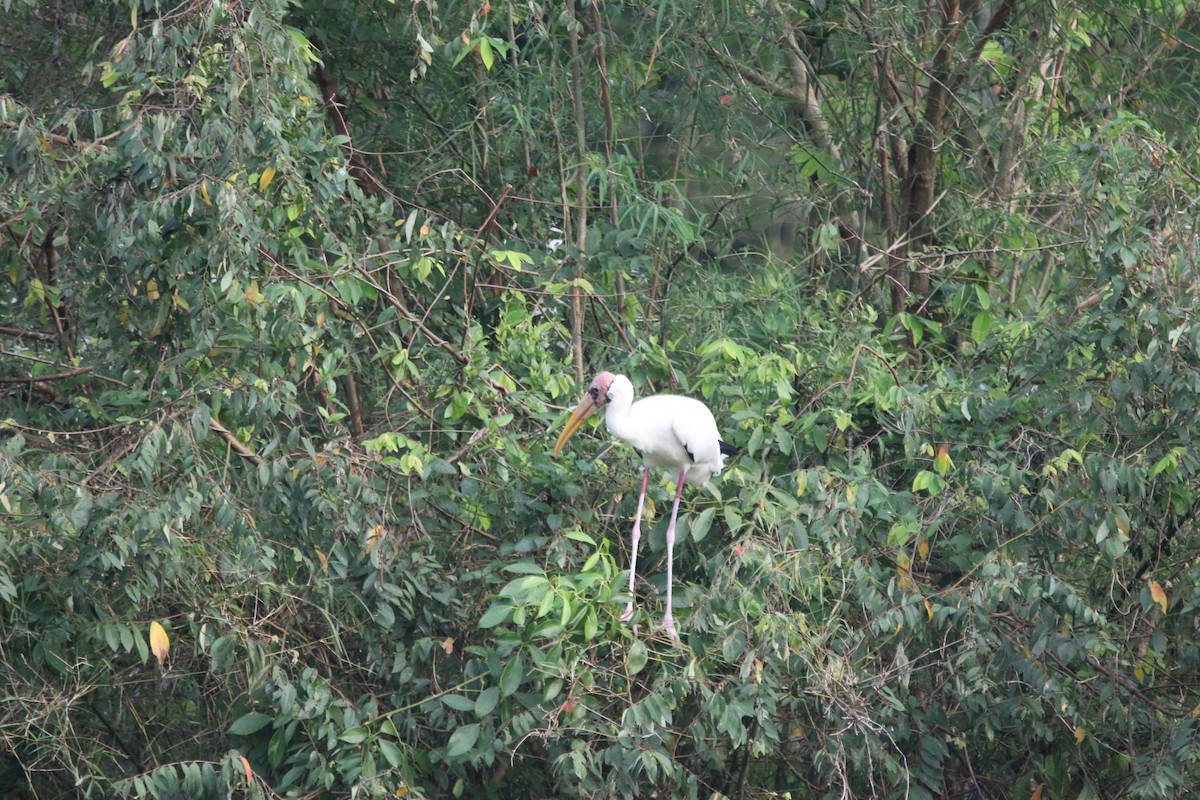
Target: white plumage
x=670 y=432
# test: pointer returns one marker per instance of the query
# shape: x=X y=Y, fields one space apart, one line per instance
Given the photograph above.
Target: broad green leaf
x=637 y=657
x=702 y=523
x=580 y=536
x=982 y=326
x=391 y=754
x=512 y=676
x=462 y=740
x=486 y=702
x=498 y=613
x=248 y=724
x=458 y=702
x=355 y=735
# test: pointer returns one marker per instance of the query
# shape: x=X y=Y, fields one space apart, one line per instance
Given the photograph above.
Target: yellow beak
x=585 y=409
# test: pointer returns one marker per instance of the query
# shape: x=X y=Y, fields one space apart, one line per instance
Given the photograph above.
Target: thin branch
x=64 y=367
x=57 y=376
x=581 y=203
x=68 y=141
x=25 y=333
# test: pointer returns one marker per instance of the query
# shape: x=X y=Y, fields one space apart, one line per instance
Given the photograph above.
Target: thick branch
x=366 y=180
x=921 y=184
x=234 y=443
x=803 y=97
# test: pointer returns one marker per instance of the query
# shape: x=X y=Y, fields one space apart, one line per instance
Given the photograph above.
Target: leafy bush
x=286 y=337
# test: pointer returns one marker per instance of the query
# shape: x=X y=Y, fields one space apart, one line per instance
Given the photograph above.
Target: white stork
x=672 y=432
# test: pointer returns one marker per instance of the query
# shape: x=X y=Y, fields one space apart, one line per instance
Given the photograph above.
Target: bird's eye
x=594 y=392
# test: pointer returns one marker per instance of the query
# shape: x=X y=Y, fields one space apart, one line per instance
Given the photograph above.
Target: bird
x=670 y=432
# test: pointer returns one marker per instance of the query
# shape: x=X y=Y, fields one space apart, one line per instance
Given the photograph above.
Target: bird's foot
x=669 y=627
x=628 y=615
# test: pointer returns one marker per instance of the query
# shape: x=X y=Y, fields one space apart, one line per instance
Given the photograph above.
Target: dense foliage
x=294 y=296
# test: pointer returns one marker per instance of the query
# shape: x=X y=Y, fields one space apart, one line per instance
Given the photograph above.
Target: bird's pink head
x=599 y=388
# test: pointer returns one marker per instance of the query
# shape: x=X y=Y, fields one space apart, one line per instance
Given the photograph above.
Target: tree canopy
x=294 y=297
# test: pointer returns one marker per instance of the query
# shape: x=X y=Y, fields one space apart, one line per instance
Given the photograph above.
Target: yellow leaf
x=929 y=610
x=160 y=643
x=424 y=230
x=204 y=192
x=923 y=548
x=1080 y=734
x=1140 y=674
x=801 y=483
x=1159 y=596
x=375 y=536
x=942 y=462
x=903 y=574
x=265 y=179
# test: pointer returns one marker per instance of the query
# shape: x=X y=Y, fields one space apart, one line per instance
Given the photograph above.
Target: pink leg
x=668 y=617
x=637 y=535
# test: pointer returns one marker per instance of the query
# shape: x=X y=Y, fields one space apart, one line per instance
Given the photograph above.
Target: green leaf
x=701 y=525
x=524 y=568
x=248 y=724
x=458 y=702
x=201 y=418
x=928 y=481
x=498 y=613
x=985 y=299
x=277 y=747
x=487 y=701
x=356 y=735
x=512 y=676
x=82 y=513
x=302 y=43
x=391 y=754
x=462 y=740
x=580 y=536
x=637 y=657
x=982 y=326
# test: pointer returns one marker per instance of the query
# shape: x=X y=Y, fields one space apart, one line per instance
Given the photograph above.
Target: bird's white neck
x=616 y=414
